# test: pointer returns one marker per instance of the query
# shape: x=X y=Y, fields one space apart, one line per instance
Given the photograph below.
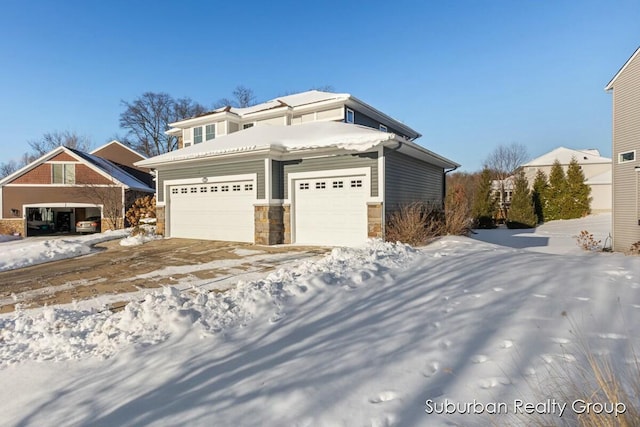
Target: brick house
x=66 y=185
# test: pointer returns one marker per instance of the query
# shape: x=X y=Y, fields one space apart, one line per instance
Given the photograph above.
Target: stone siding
x=286 y=220
x=269 y=228
x=13 y=226
x=160 y=218
x=374 y=220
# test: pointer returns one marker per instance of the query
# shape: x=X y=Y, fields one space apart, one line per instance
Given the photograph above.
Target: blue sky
x=468 y=75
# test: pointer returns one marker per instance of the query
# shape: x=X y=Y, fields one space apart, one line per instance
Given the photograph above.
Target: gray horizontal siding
x=217 y=169
x=331 y=163
x=364 y=120
x=626 y=137
x=277 y=180
x=410 y=180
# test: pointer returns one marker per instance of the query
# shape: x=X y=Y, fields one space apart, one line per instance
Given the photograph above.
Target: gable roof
x=299 y=101
x=114 y=170
x=118 y=144
x=564 y=156
x=287 y=139
x=98 y=164
x=609 y=85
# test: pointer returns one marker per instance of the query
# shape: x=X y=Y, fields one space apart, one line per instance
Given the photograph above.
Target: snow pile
x=146 y=233
x=35 y=251
x=67 y=334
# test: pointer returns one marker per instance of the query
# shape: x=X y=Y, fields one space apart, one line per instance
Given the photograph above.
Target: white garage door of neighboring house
x=213 y=211
x=331 y=211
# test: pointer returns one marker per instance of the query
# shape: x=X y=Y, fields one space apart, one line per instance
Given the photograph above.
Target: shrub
x=587 y=242
x=635 y=248
x=415 y=224
x=144 y=207
x=457 y=219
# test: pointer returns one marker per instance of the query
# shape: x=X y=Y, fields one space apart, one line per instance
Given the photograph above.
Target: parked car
x=89 y=225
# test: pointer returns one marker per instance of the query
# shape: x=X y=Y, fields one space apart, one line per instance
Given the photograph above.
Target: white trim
x=120 y=144
x=346 y=116
x=65 y=185
x=267 y=180
x=609 y=85
x=1 y=211
x=381 y=174
x=63 y=205
x=620 y=161
x=328 y=173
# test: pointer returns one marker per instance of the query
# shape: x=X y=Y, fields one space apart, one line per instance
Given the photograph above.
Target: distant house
x=312 y=168
x=596 y=170
x=65 y=186
x=625 y=87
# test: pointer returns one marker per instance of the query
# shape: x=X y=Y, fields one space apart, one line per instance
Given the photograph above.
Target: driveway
x=115 y=274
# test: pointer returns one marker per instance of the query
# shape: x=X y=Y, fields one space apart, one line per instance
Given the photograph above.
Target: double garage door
x=213 y=211
x=331 y=211
x=325 y=211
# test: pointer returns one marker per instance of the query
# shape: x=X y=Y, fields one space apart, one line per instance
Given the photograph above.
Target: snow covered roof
x=113 y=170
x=313 y=135
x=564 y=156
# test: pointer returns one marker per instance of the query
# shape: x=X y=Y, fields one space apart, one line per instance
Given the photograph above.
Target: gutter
x=444 y=183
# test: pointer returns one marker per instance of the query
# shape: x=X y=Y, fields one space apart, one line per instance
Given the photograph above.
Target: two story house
x=313 y=168
x=289 y=110
x=625 y=88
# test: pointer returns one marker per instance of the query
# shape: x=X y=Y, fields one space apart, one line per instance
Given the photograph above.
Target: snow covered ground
x=361 y=336
x=36 y=250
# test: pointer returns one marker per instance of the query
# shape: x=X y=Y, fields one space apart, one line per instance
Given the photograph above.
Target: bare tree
x=504 y=161
x=51 y=140
x=242 y=97
x=146 y=119
x=43 y=145
x=8 y=168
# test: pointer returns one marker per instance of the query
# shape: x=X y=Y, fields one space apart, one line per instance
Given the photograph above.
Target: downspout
x=444 y=184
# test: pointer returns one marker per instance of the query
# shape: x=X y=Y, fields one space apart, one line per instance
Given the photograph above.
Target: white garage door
x=331 y=211
x=214 y=211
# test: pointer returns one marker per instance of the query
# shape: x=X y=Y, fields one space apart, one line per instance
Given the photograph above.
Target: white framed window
x=382 y=128
x=247 y=125
x=338 y=184
x=350 y=116
x=63 y=173
x=627 y=156
x=197 y=135
x=210 y=132
x=236 y=187
x=321 y=185
x=248 y=187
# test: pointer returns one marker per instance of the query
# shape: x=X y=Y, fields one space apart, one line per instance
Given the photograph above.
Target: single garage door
x=331 y=211
x=214 y=211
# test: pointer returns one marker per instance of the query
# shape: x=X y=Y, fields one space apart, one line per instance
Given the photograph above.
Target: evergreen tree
x=539 y=194
x=521 y=212
x=483 y=207
x=578 y=200
x=556 y=194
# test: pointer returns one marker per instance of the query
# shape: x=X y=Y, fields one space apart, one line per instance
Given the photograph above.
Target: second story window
x=382 y=128
x=210 y=132
x=350 y=116
x=197 y=135
x=63 y=173
x=628 y=156
x=247 y=125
